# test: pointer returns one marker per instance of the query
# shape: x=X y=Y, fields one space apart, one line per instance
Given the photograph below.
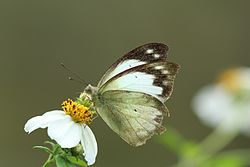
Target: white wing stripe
x=123 y=66
x=136 y=81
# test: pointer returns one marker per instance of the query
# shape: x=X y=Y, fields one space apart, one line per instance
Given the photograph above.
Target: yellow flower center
x=79 y=112
x=229 y=79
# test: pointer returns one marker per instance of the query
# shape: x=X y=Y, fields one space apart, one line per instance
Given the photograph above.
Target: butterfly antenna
x=79 y=79
x=75 y=80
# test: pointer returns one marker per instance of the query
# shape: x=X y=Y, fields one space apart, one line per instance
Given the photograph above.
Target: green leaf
x=77 y=161
x=62 y=162
x=228 y=161
x=231 y=158
x=178 y=144
x=46 y=149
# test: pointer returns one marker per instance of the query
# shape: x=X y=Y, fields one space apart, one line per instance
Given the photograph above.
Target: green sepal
x=76 y=161
x=46 y=149
x=77 y=150
x=50 y=143
x=87 y=103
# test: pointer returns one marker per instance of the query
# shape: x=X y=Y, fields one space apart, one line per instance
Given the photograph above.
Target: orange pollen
x=79 y=112
x=229 y=79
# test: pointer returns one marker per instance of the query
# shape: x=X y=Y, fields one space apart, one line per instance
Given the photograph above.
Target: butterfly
x=131 y=94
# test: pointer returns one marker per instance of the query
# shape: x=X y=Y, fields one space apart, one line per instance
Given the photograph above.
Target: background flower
x=226 y=102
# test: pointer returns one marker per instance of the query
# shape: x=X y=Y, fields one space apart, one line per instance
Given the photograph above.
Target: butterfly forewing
x=130 y=96
x=132 y=115
x=155 y=79
x=142 y=55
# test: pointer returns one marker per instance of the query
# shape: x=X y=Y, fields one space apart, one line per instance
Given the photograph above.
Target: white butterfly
x=130 y=96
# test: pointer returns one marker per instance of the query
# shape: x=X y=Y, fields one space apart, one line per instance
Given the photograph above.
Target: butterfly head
x=88 y=92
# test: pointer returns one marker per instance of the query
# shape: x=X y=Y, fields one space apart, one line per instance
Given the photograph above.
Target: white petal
x=89 y=145
x=33 y=124
x=65 y=132
x=43 y=121
x=212 y=105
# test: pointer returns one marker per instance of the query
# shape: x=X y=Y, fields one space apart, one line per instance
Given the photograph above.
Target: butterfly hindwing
x=141 y=55
x=155 y=79
x=132 y=115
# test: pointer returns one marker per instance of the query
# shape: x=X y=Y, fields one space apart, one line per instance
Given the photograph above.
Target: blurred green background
x=205 y=37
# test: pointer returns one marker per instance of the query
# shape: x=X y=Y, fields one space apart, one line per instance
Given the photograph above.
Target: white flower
x=68 y=128
x=226 y=102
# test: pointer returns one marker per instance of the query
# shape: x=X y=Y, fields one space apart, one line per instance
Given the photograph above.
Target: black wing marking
x=141 y=55
x=148 y=52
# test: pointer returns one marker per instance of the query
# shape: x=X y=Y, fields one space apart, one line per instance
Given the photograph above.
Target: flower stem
x=212 y=144
x=49 y=160
x=217 y=140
